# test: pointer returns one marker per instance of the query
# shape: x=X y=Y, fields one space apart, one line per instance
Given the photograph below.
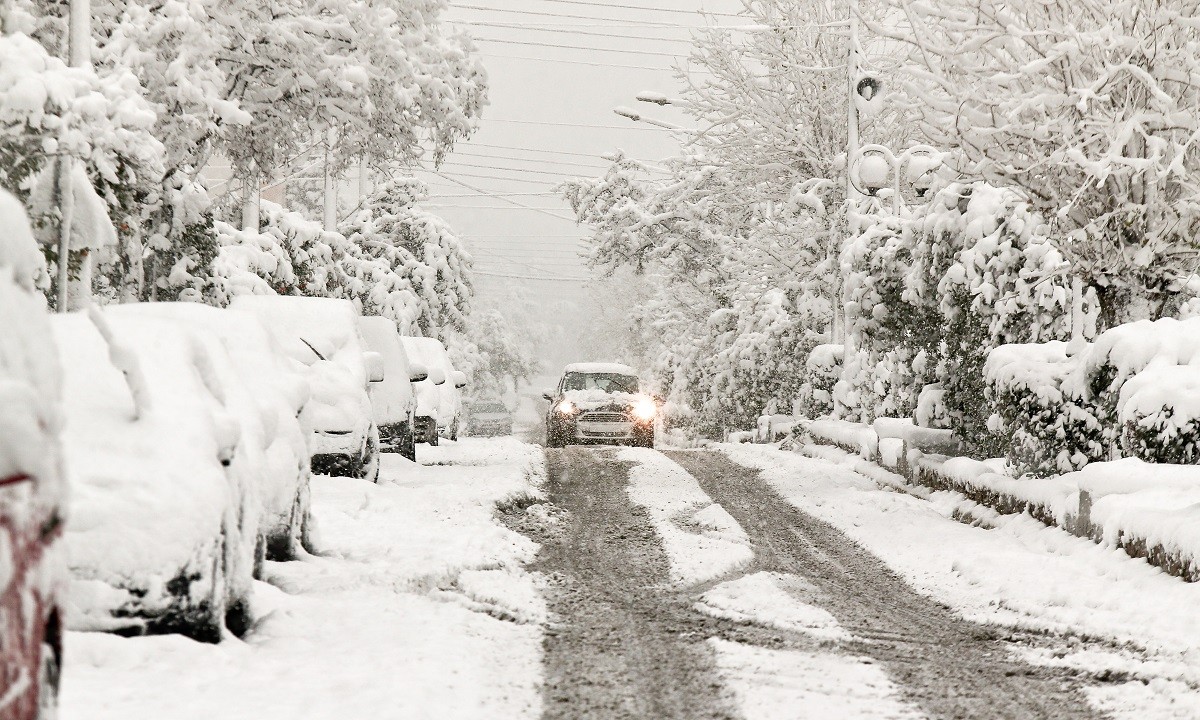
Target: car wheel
x=260 y=557
x=369 y=463
x=48 y=678
x=408 y=445
x=454 y=430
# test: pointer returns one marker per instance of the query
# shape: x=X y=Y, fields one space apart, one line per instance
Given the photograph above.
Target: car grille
x=603 y=417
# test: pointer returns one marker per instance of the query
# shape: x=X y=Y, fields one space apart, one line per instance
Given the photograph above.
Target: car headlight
x=566 y=407
x=644 y=409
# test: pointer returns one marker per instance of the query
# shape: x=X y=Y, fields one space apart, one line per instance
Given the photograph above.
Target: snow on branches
x=1092 y=109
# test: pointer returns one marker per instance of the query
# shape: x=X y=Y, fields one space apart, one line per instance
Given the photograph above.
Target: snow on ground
x=704 y=542
x=770 y=599
x=789 y=685
x=416 y=607
x=701 y=539
x=1018 y=572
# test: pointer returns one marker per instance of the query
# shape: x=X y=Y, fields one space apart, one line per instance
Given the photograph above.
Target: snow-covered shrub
x=1044 y=427
x=1137 y=376
x=824 y=369
x=933 y=292
x=1159 y=415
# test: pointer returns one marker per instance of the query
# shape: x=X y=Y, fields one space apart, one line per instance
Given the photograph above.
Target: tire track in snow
x=947 y=666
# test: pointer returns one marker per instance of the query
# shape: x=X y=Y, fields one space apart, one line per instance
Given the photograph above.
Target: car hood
x=600 y=400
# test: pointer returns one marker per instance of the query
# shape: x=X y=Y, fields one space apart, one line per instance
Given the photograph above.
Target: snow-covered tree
x=420 y=247
x=1092 y=109
x=744 y=228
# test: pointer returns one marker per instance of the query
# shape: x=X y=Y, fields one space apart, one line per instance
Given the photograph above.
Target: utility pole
x=851 y=192
x=330 y=205
x=79 y=49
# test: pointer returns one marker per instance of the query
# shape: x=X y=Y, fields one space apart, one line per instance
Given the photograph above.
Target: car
x=323 y=334
x=268 y=392
x=487 y=417
x=393 y=401
x=440 y=411
x=32 y=484
x=165 y=527
x=599 y=403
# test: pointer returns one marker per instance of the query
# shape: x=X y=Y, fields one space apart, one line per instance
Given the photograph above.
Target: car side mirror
x=459 y=378
x=374 y=363
x=437 y=375
x=417 y=372
x=549 y=395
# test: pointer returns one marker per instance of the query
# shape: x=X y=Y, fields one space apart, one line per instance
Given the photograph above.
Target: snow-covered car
x=394 y=401
x=164 y=532
x=32 y=583
x=267 y=391
x=323 y=334
x=599 y=403
x=487 y=418
x=439 y=400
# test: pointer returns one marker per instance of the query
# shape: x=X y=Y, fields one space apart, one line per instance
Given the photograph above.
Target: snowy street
x=500 y=580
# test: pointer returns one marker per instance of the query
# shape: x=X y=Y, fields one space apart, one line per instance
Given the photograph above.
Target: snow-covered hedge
x=824 y=369
x=932 y=293
x=1134 y=392
x=1043 y=428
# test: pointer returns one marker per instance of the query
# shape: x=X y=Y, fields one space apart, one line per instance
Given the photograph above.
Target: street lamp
x=635 y=116
x=874 y=164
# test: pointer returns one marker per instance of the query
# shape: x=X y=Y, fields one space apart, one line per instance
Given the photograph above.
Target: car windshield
x=606 y=382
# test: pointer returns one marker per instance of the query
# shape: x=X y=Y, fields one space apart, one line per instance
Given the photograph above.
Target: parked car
x=32 y=484
x=267 y=391
x=599 y=403
x=323 y=334
x=439 y=401
x=488 y=418
x=393 y=401
x=164 y=533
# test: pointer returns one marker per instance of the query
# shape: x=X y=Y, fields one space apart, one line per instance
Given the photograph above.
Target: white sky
x=551 y=116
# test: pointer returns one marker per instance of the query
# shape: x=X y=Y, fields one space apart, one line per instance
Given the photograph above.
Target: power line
x=488 y=156
x=548 y=278
x=438 y=196
x=478 y=176
x=579 y=47
x=504 y=199
x=597 y=5
x=546 y=13
x=473 y=144
x=557 y=173
x=510 y=26
x=594 y=64
x=631 y=126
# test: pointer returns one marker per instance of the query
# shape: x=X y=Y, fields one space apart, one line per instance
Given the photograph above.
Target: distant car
x=488 y=418
x=323 y=334
x=267 y=391
x=165 y=526
x=394 y=401
x=439 y=400
x=32 y=484
x=599 y=403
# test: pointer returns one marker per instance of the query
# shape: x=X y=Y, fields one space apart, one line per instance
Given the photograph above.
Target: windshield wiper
x=310 y=347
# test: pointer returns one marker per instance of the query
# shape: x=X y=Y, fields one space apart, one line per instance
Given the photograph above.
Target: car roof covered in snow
x=596 y=367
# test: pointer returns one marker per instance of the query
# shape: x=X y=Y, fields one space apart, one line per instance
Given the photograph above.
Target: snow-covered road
x=498 y=580
x=417 y=607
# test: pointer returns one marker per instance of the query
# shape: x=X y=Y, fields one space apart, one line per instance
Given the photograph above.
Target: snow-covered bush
x=1044 y=428
x=824 y=368
x=1138 y=377
x=935 y=290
